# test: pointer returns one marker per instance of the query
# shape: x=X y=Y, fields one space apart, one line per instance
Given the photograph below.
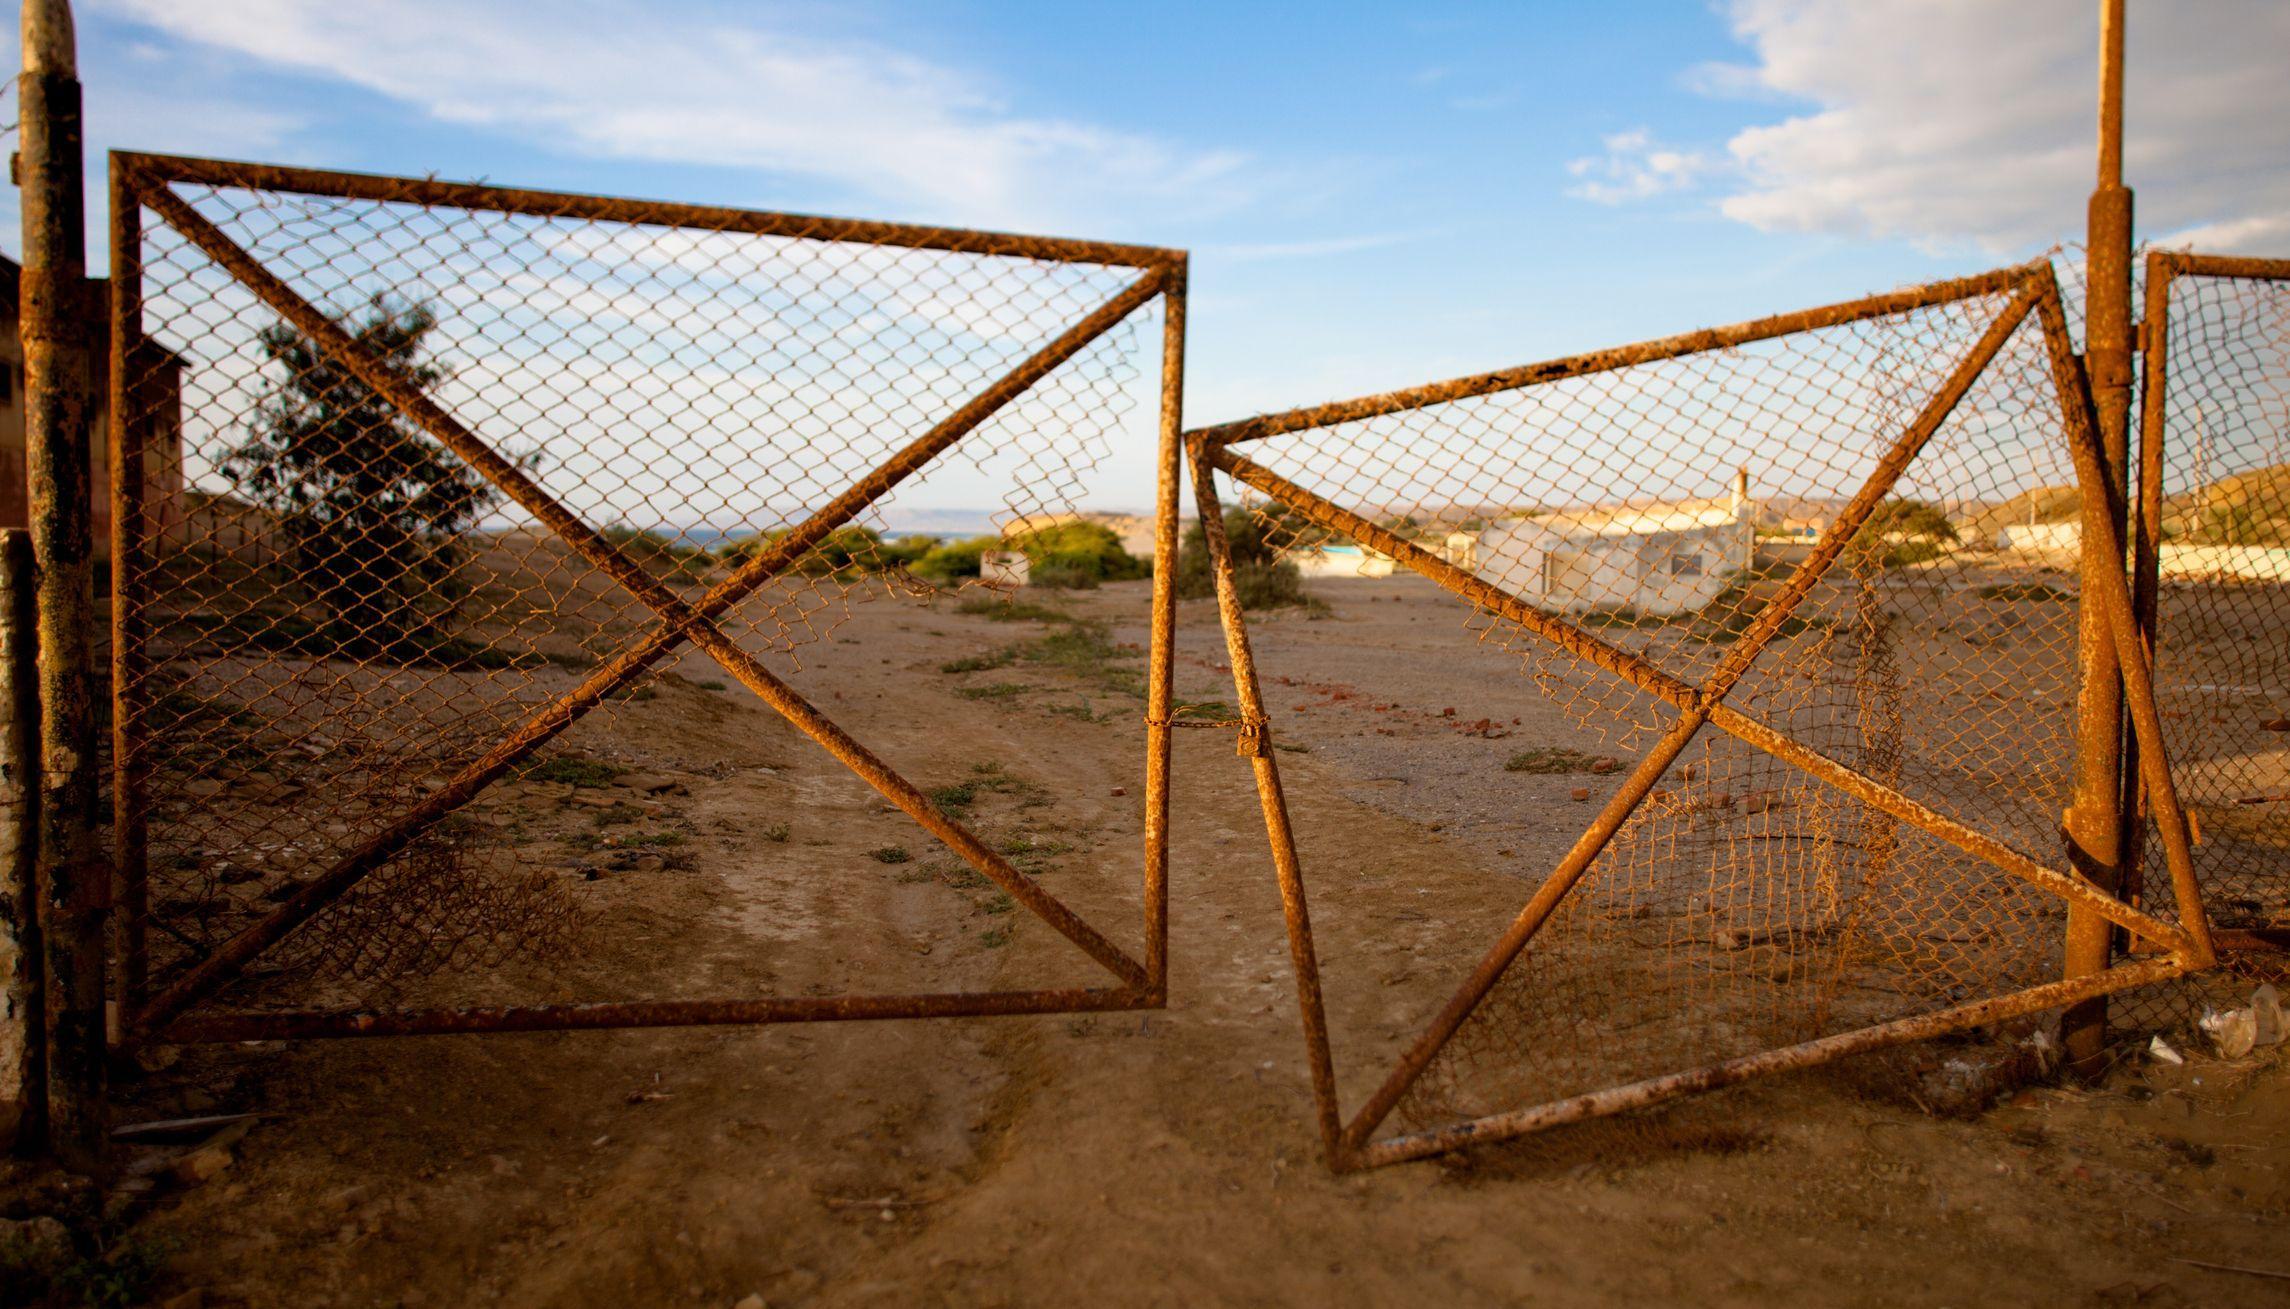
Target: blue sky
x=1374 y=194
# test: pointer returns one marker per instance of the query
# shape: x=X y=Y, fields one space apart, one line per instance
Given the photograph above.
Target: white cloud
x=1969 y=124
x=2268 y=233
x=1959 y=123
x=1634 y=167
x=617 y=79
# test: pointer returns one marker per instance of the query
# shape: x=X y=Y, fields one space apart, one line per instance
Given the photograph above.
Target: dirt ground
x=1139 y=1158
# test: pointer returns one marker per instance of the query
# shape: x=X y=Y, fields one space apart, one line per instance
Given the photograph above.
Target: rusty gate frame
x=139 y=181
x=2185 y=947
x=2164 y=267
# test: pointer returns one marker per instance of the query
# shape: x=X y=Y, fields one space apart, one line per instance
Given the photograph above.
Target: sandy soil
x=1156 y=1158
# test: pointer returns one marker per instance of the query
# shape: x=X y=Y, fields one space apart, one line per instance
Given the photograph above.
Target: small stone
x=194 y=1298
x=1121 y=790
x=594 y=799
x=2275 y=725
x=202 y=788
x=201 y=1164
x=751 y=1301
x=157 y=1058
x=649 y=863
x=650 y=783
x=1580 y=793
x=1728 y=938
x=1605 y=764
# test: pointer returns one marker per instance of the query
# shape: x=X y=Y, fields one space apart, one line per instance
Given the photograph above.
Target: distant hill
x=2250 y=508
x=2045 y=504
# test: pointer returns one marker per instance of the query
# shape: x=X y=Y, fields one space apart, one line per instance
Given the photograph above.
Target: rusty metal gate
x=2211 y=576
x=1832 y=535
x=430 y=473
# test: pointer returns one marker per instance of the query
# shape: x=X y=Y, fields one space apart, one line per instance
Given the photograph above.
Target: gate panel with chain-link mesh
x=1799 y=532
x=441 y=480
x=2212 y=576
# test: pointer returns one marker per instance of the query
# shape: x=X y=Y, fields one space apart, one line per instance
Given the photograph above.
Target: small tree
x=1902 y=532
x=372 y=509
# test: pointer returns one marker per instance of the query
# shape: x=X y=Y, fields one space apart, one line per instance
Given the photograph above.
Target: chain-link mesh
x=1660 y=508
x=2219 y=486
x=332 y=615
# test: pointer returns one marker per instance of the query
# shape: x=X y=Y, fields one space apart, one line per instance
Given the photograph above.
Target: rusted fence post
x=23 y=1024
x=74 y=884
x=2094 y=820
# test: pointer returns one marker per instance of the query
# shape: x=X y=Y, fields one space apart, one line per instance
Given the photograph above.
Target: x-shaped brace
x=681 y=620
x=2034 y=291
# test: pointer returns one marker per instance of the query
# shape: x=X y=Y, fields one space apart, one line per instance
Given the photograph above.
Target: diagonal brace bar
x=2131 y=655
x=1697 y=703
x=1855 y=515
x=681 y=620
x=1486 y=596
x=2075 y=890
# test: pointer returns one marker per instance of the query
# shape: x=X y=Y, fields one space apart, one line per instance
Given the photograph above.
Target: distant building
x=158 y=406
x=1341 y=561
x=2063 y=537
x=1005 y=568
x=1658 y=560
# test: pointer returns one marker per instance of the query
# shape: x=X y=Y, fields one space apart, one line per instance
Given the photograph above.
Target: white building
x=1657 y=560
x=2063 y=537
x=1004 y=568
x=1341 y=561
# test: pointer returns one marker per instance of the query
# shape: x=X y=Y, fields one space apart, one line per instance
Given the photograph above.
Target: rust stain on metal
x=75 y=891
x=23 y=995
x=2032 y=295
x=145 y=181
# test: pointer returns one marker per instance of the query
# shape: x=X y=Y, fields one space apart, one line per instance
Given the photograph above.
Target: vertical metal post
x=132 y=419
x=1159 y=690
x=2146 y=549
x=1256 y=746
x=23 y=1009
x=75 y=888
x=2094 y=818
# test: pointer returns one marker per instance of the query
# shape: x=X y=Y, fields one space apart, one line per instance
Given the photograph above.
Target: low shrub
x=1080 y=549
x=844 y=552
x=661 y=554
x=1261 y=578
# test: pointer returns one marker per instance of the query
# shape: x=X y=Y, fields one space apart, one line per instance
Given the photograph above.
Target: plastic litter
x=2237 y=1032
